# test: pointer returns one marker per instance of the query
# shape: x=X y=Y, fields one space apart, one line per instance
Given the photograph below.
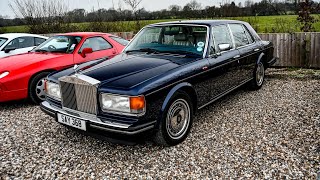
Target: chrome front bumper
x=95 y=123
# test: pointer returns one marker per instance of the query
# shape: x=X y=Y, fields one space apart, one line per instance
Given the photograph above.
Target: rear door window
x=239 y=35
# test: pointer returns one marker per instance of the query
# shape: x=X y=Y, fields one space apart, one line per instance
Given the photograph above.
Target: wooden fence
x=293 y=50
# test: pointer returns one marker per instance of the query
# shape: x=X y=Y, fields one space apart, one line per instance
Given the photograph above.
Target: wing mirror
x=224 y=47
x=86 y=51
x=8 y=49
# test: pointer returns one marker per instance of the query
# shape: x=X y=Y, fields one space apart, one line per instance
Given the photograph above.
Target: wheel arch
x=262 y=58
x=185 y=87
x=38 y=72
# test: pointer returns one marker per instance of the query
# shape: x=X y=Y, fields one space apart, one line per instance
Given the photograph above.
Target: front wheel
x=176 y=122
x=258 y=76
x=36 y=88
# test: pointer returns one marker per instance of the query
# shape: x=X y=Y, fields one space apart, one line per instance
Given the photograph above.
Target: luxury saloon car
x=23 y=75
x=18 y=43
x=164 y=75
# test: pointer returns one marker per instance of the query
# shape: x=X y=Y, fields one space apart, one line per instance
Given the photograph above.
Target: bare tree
x=194 y=5
x=41 y=16
x=136 y=12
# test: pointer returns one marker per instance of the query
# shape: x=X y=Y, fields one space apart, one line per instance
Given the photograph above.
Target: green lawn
x=262 y=24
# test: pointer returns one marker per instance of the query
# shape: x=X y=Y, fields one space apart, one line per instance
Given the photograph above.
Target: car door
x=101 y=48
x=224 y=66
x=247 y=49
x=19 y=45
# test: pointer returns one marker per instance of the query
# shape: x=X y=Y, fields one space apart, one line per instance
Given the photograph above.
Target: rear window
x=2 y=41
x=120 y=40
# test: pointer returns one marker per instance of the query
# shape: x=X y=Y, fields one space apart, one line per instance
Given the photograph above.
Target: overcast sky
x=149 y=5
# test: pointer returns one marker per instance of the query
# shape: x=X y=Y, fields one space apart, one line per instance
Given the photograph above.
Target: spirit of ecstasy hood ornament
x=76 y=68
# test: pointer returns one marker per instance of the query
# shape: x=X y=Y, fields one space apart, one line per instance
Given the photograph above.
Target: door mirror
x=86 y=51
x=8 y=49
x=224 y=47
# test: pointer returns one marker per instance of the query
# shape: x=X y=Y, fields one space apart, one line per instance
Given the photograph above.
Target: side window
x=96 y=43
x=38 y=41
x=25 y=42
x=21 y=42
x=249 y=35
x=120 y=40
x=13 y=44
x=239 y=35
x=220 y=35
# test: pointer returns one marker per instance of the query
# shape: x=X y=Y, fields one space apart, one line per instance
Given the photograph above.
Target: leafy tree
x=305 y=17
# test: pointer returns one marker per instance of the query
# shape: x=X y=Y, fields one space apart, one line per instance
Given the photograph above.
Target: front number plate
x=71 y=121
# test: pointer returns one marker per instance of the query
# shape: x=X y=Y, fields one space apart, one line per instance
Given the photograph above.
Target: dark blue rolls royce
x=159 y=81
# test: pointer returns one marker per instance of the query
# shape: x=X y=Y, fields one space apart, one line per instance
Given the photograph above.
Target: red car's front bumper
x=6 y=95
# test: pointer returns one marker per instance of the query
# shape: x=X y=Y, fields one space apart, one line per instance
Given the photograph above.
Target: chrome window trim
x=176 y=24
x=234 y=44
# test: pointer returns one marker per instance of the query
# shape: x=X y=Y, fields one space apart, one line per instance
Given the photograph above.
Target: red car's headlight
x=4 y=74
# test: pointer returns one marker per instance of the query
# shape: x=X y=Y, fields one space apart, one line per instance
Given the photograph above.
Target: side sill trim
x=225 y=93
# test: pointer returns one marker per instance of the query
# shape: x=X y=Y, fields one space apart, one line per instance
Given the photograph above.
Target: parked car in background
x=22 y=76
x=166 y=73
x=18 y=43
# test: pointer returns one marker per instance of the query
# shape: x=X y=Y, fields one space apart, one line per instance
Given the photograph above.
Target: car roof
x=199 y=22
x=84 y=34
x=14 y=35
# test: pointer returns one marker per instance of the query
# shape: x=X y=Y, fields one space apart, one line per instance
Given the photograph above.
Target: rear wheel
x=176 y=122
x=36 y=88
x=258 y=76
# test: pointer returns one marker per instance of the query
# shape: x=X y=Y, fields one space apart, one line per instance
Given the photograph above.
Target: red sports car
x=22 y=76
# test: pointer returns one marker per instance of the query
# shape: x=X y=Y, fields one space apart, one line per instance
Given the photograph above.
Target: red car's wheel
x=36 y=88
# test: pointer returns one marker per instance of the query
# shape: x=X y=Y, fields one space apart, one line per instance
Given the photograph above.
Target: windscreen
x=2 y=41
x=61 y=44
x=179 y=39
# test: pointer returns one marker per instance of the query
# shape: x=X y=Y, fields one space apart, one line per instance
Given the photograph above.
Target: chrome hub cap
x=40 y=89
x=260 y=74
x=178 y=119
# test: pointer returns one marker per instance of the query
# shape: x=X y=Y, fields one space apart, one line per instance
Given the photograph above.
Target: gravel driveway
x=273 y=132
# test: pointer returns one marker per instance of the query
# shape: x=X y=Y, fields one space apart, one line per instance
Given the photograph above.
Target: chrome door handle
x=237 y=56
x=255 y=50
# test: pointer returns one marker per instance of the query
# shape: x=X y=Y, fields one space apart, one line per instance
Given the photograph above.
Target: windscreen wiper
x=148 y=50
x=188 y=53
x=41 y=50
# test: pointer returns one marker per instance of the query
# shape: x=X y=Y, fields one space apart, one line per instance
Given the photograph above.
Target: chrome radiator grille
x=78 y=94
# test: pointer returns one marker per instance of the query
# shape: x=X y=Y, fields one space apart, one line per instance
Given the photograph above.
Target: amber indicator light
x=137 y=103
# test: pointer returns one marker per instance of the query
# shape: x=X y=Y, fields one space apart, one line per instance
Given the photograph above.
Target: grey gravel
x=270 y=133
